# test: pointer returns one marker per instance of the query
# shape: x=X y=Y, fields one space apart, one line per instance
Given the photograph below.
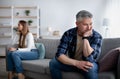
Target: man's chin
x=80 y=34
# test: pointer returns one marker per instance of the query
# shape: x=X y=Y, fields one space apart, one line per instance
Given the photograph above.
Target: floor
x=3 y=73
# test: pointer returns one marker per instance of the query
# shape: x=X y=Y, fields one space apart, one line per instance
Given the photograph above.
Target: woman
x=26 y=51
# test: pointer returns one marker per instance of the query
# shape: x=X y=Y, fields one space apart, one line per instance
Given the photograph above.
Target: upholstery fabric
x=50 y=46
x=109 y=44
x=38 y=69
x=41 y=50
x=38 y=66
x=107 y=75
x=109 y=61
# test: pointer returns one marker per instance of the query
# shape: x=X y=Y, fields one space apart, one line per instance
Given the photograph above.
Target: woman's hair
x=23 y=33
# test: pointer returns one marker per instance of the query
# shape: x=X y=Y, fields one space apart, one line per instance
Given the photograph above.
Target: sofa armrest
x=8 y=46
x=118 y=67
x=6 y=50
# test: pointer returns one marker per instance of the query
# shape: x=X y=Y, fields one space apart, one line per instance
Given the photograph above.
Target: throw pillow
x=109 y=61
x=41 y=50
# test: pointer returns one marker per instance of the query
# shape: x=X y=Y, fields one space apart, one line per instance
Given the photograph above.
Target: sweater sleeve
x=15 y=39
x=29 y=43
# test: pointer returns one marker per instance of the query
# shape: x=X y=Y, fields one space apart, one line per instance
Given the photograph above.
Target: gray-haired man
x=83 y=46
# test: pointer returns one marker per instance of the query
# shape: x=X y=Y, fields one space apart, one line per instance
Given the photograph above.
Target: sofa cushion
x=41 y=50
x=38 y=66
x=107 y=75
x=108 y=44
x=109 y=61
x=50 y=46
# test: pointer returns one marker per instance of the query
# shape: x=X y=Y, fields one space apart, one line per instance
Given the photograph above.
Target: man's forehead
x=86 y=20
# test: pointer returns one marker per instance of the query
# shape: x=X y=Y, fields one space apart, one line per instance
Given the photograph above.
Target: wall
x=60 y=14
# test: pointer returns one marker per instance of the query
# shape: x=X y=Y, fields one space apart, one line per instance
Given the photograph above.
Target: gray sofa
x=39 y=69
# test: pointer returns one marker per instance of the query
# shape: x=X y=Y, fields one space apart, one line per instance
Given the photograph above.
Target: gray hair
x=83 y=14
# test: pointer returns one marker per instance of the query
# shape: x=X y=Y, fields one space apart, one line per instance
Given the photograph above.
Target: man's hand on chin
x=87 y=33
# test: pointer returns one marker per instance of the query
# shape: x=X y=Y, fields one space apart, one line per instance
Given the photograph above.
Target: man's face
x=84 y=25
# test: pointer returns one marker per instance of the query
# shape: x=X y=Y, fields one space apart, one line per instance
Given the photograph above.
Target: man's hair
x=83 y=14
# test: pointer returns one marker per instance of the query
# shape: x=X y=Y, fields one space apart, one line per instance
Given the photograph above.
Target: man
x=78 y=50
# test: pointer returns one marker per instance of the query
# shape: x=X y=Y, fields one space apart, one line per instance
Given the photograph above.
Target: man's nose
x=89 y=26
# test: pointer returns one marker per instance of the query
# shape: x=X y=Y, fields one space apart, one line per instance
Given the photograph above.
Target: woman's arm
x=29 y=43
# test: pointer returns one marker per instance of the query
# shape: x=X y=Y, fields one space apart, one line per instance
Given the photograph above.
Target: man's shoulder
x=96 y=34
x=70 y=33
x=72 y=30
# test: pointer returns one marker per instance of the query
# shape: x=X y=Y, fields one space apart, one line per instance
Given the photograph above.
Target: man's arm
x=61 y=55
x=92 y=51
x=66 y=60
x=84 y=65
x=63 y=48
x=87 y=49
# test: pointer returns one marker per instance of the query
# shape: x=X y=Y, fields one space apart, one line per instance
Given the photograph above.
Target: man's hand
x=12 y=49
x=88 y=33
x=84 y=65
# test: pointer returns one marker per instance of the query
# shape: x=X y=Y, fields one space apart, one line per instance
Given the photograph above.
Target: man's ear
x=76 y=23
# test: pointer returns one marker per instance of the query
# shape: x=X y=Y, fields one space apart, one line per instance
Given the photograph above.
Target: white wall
x=60 y=14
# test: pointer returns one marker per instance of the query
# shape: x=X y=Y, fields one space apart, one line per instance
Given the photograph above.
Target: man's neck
x=80 y=34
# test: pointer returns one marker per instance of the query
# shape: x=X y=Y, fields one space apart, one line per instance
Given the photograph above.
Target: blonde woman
x=26 y=51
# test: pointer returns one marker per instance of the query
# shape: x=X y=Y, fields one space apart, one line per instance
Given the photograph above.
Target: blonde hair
x=23 y=33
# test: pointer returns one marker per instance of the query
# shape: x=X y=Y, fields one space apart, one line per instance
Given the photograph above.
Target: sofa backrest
x=52 y=44
x=108 y=44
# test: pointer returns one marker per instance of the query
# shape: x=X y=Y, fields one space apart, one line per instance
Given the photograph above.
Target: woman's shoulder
x=30 y=34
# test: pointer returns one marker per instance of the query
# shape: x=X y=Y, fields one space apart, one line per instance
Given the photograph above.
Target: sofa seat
x=36 y=65
x=42 y=66
x=107 y=75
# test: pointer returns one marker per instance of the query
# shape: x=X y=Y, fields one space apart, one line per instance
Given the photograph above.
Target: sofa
x=39 y=69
